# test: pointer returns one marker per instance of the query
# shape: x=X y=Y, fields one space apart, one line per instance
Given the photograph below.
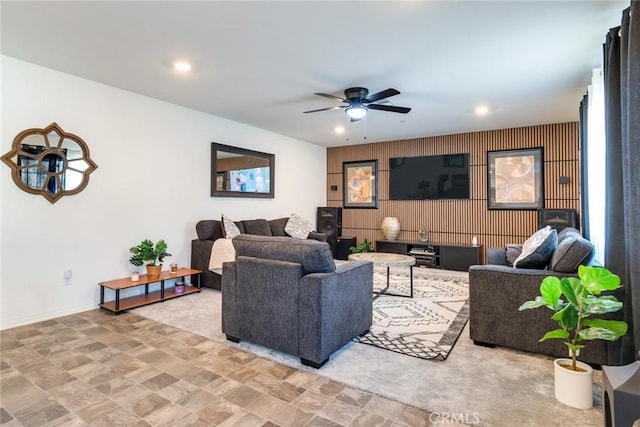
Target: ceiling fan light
x=357 y=112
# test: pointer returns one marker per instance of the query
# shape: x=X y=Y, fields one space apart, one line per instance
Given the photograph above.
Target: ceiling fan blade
x=381 y=95
x=392 y=108
x=326 y=95
x=326 y=109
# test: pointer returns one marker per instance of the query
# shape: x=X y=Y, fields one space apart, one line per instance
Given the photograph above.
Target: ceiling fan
x=359 y=102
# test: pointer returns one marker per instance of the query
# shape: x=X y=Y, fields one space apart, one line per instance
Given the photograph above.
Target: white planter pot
x=573 y=388
x=390 y=228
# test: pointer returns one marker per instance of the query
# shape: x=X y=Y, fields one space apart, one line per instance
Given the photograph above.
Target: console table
x=435 y=255
x=118 y=305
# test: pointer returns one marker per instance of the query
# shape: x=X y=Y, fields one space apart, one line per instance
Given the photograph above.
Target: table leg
x=117 y=300
x=101 y=295
x=384 y=291
x=411 y=282
x=146 y=289
x=162 y=290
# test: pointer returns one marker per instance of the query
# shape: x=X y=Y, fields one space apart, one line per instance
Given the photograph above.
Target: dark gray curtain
x=622 y=111
x=584 y=179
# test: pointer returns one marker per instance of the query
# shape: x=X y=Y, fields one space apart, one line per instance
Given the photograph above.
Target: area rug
x=425 y=326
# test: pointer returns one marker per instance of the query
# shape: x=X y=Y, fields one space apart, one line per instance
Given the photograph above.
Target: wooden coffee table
x=384 y=259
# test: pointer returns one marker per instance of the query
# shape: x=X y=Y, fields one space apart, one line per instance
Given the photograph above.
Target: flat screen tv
x=429 y=177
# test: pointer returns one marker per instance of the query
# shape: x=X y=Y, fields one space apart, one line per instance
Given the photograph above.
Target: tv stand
x=434 y=255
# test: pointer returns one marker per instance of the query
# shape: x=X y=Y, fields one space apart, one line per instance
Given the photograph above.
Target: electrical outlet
x=68 y=274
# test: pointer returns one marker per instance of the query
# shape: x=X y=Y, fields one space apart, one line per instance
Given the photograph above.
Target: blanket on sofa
x=221 y=252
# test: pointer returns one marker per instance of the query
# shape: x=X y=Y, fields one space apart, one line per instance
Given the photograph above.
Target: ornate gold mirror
x=49 y=162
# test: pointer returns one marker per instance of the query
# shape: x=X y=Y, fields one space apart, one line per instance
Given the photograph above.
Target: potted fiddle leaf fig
x=577 y=302
x=151 y=255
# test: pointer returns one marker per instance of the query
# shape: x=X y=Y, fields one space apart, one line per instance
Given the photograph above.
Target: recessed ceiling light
x=482 y=110
x=339 y=130
x=182 y=66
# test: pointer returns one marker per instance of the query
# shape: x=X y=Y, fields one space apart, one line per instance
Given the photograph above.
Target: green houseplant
x=577 y=302
x=151 y=255
x=362 y=247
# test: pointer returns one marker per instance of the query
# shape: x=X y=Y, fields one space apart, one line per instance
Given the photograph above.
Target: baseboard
x=47 y=315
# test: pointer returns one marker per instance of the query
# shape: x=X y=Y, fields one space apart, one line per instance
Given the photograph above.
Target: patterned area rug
x=425 y=326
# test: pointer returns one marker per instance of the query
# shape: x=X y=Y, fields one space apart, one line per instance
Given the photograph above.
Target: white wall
x=152 y=182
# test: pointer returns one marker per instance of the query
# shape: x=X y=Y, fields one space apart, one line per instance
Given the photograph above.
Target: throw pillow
x=230 y=229
x=513 y=251
x=537 y=249
x=298 y=227
x=567 y=232
x=572 y=252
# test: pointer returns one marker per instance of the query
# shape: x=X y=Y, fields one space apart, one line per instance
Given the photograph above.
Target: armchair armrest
x=334 y=308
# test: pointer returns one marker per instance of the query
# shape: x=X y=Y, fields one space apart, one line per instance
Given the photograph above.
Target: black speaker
x=342 y=246
x=329 y=222
x=558 y=218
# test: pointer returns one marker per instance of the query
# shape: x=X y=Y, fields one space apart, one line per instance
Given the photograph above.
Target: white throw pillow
x=537 y=249
x=298 y=227
x=230 y=229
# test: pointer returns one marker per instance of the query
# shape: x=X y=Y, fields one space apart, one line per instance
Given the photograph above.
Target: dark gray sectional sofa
x=288 y=295
x=210 y=230
x=497 y=290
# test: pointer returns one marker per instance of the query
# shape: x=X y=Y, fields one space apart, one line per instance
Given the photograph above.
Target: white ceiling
x=260 y=62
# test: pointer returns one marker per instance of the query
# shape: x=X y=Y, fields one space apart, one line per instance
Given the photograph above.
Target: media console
x=435 y=255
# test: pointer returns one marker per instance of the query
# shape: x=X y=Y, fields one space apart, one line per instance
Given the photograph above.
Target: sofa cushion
x=298 y=227
x=206 y=229
x=573 y=251
x=230 y=228
x=278 y=225
x=314 y=256
x=258 y=227
x=538 y=249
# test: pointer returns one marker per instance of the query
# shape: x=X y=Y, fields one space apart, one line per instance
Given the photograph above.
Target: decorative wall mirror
x=238 y=172
x=49 y=162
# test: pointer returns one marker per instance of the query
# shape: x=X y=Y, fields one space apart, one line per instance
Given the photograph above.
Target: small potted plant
x=362 y=247
x=151 y=255
x=576 y=315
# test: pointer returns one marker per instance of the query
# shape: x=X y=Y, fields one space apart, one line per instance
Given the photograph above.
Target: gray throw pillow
x=513 y=251
x=538 y=249
x=567 y=232
x=572 y=252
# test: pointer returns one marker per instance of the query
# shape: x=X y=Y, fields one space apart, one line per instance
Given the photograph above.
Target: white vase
x=390 y=228
x=573 y=388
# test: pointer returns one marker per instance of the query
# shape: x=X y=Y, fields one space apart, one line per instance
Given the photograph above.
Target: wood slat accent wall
x=457 y=221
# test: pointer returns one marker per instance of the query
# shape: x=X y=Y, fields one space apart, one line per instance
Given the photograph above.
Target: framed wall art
x=515 y=179
x=360 y=184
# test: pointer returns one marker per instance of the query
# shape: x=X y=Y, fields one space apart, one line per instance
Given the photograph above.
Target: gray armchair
x=288 y=295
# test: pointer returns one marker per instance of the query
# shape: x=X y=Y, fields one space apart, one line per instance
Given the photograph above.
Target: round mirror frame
x=51 y=149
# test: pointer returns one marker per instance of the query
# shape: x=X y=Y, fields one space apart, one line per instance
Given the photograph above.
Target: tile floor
x=97 y=369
